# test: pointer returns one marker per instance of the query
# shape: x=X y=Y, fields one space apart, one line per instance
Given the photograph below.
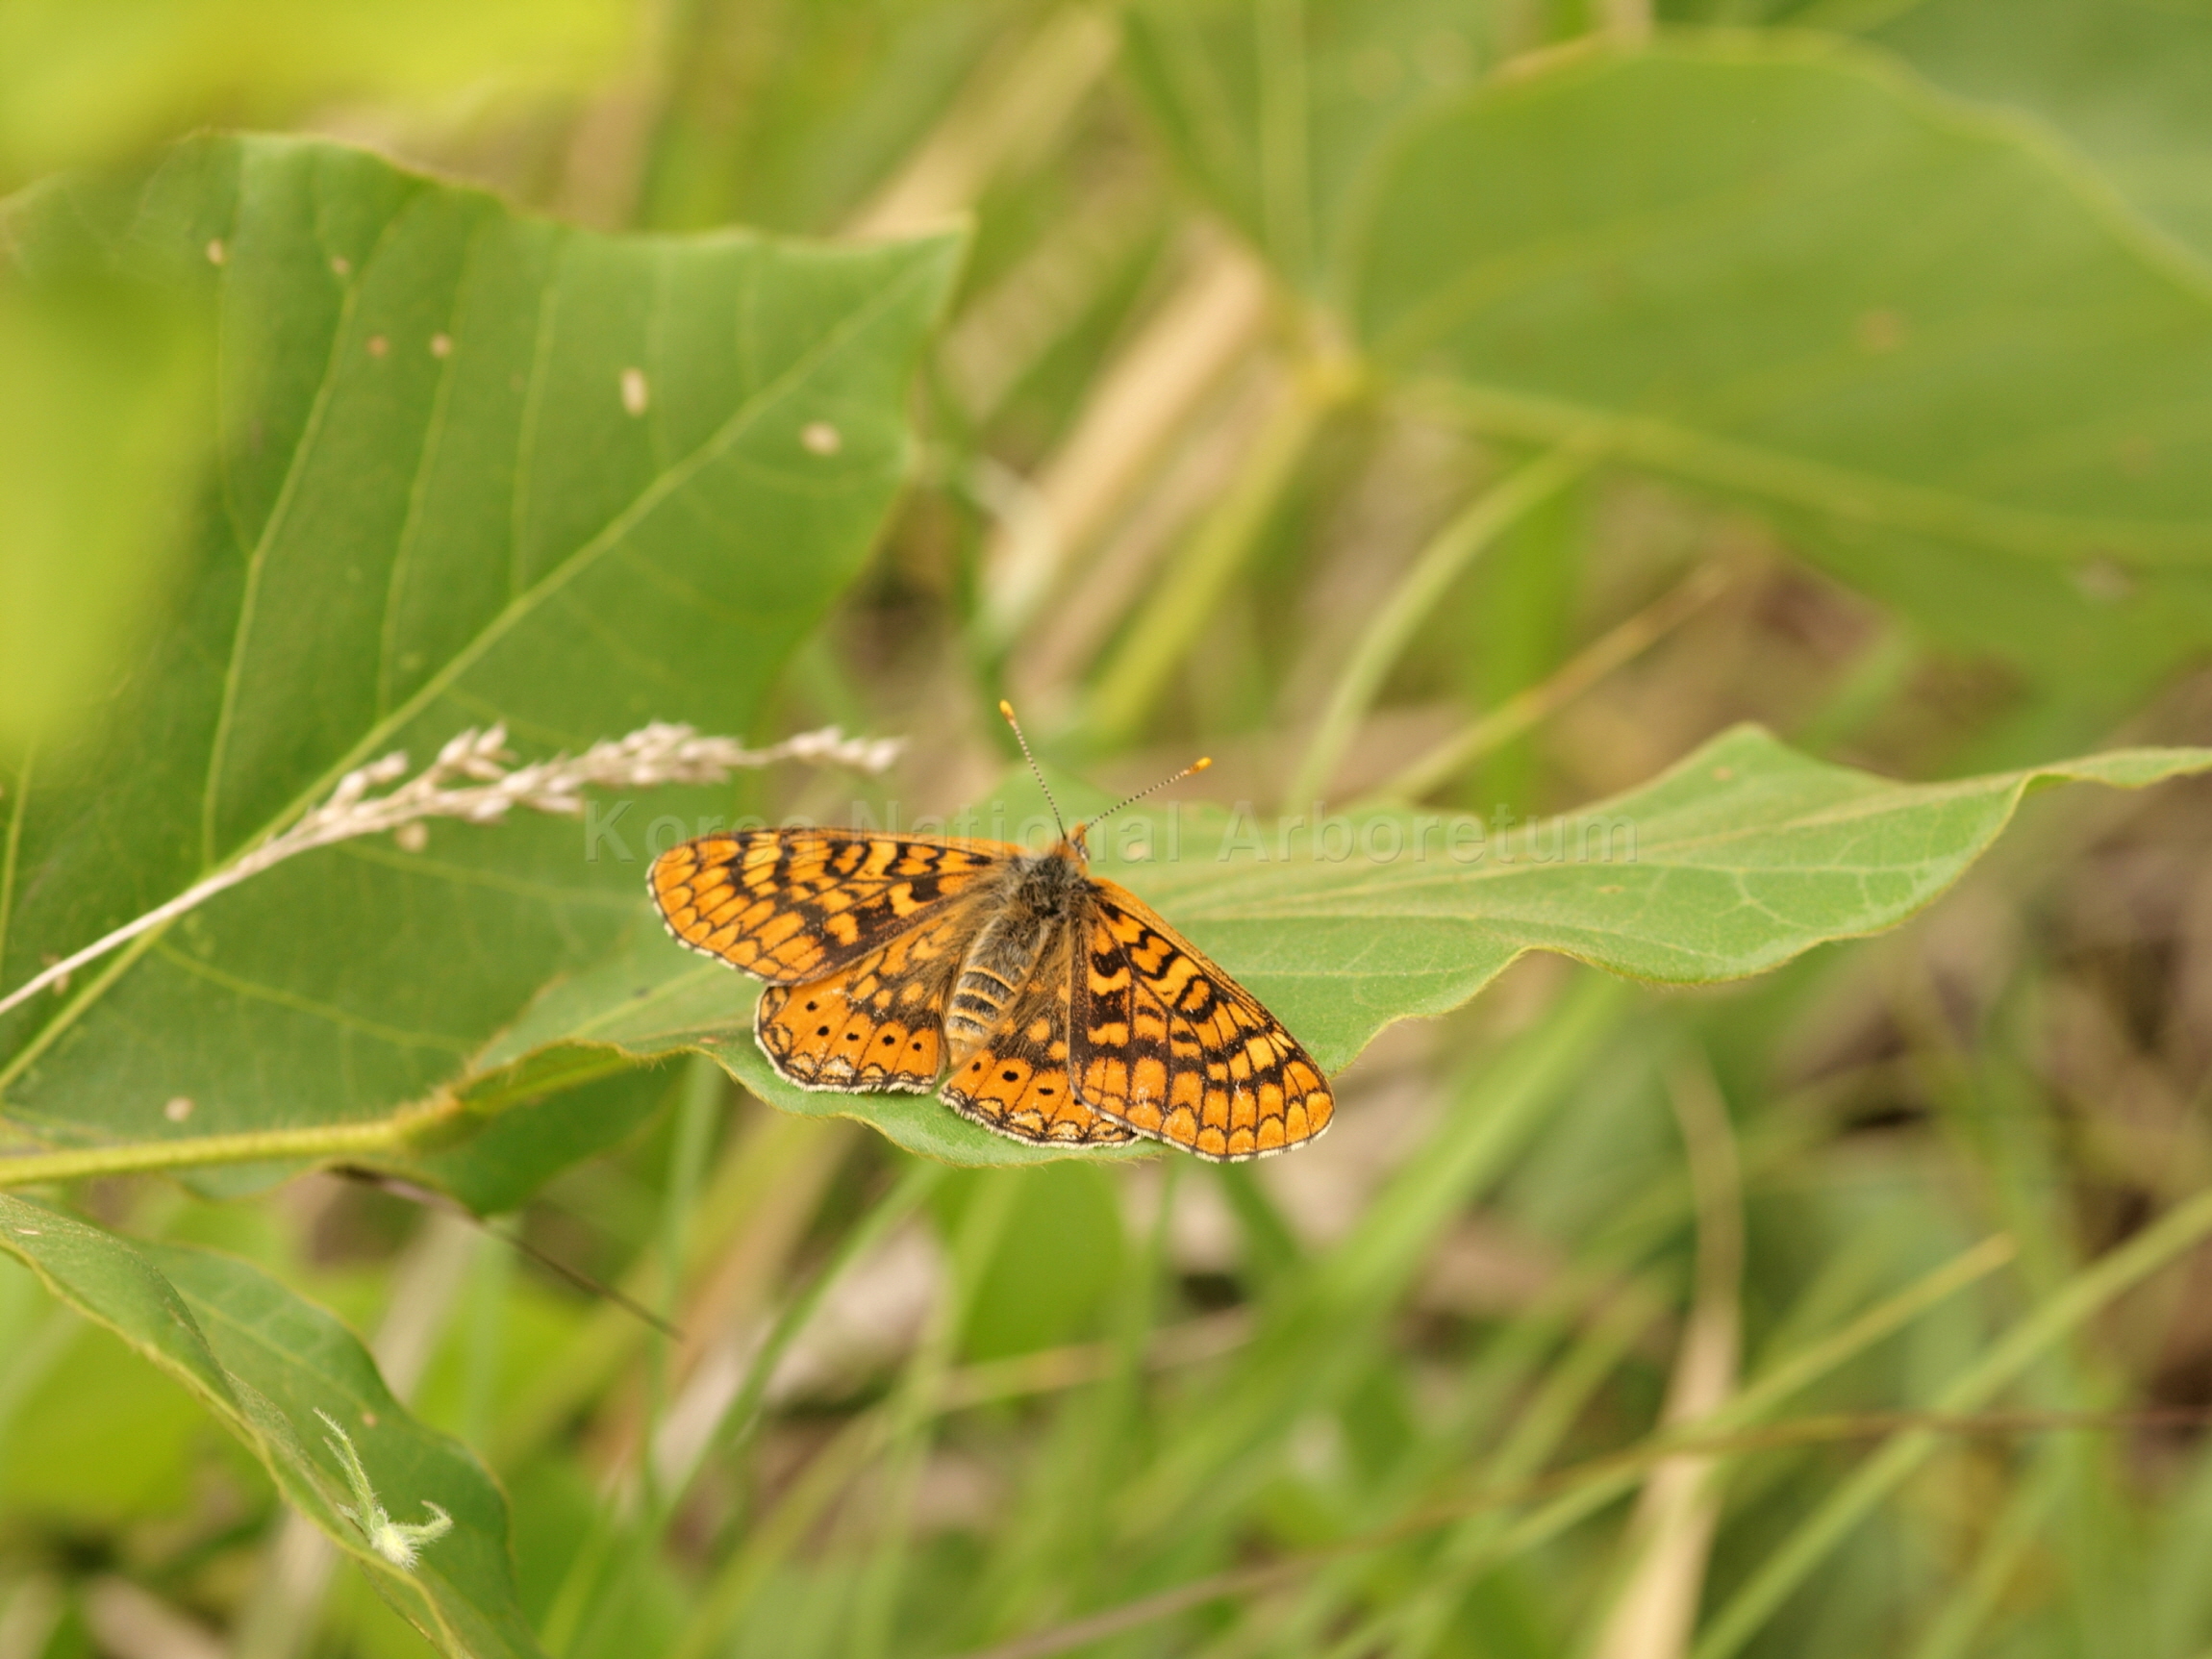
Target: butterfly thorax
x=1035 y=899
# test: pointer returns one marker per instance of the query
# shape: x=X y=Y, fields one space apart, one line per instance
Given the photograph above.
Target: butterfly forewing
x=1165 y=1042
x=790 y=906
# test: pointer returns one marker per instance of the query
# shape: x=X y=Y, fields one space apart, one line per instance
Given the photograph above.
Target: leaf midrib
x=1665 y=444
x=2001 y=793
x=417 y=485
x=1864 y=809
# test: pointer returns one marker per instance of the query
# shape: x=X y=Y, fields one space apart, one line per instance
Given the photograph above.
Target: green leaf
x=1921 y=330
x=263 y=1361
x=1741 y=857
x=2121 y=79
x=473 y=466
x=1274 y=109
x=523 y=1142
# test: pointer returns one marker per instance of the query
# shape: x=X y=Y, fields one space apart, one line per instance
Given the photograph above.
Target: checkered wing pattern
x=1166 y=1042
x=877 y=1023
x=795 y=906
x=1016 y=1083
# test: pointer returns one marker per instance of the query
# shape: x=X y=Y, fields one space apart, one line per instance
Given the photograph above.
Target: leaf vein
x=257 y=558
x=418 y=485
x=276 y=997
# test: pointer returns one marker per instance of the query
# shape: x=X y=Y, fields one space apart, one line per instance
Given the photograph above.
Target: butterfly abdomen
x=1039 y=895
x=979 y=1001
x=998 y=964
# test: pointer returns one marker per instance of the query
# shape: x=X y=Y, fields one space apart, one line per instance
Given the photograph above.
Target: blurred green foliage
x=100 y=449
x=1433 y=405
x=86 y=83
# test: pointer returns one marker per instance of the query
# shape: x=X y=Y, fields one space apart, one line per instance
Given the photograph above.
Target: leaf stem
x=322 y=1140
x=1439 y=564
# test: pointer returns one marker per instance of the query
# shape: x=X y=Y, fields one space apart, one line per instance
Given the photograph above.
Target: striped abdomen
x=999 y=965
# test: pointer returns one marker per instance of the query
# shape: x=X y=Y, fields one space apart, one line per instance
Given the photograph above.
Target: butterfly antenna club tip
x=1192 y=770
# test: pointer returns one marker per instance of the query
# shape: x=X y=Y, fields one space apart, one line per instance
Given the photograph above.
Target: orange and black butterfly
x=1043 y=1002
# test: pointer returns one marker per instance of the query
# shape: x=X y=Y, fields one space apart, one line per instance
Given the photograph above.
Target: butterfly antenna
x=1037 y=771
x=1192 y=770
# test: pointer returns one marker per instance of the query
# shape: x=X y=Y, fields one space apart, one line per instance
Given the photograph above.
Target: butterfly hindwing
x=790 y=906
x=1166 y=1042
x=1016 y=1084
x=874 y=1024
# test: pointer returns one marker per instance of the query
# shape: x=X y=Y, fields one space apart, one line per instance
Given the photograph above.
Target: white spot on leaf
x=440 y=345
x=635 y=393
x=820 y=438
x=179 y=1107
x=378 y=345
x=216 y=253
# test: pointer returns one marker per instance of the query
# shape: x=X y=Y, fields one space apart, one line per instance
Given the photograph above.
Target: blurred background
x=1160 y=503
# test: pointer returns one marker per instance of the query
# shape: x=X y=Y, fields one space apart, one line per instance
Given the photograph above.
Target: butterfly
x=1035 y=999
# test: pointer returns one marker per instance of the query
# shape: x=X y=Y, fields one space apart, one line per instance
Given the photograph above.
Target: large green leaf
x=1784 y=272
x=2123 y=81
x=1791 y=298
x=1274 y=108
x=473 y=466
x=263 y=1361
x=1739 y=857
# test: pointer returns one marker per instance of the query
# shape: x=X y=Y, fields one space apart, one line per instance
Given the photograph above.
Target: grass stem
x=1524 y=709
x=1187 y=601
x=1414 y=599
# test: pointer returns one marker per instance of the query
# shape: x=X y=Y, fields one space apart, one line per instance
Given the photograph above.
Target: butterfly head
x=1072 y=841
